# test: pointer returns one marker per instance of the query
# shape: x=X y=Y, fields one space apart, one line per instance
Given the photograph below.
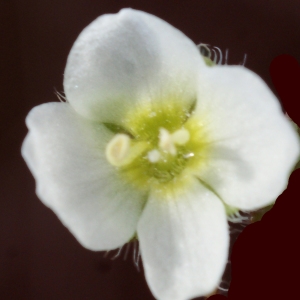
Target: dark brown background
x=39 y=258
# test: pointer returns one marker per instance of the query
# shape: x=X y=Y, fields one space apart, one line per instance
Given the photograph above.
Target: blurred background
x=39 y=258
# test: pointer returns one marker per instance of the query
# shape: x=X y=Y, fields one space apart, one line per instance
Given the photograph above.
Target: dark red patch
x=265 y=257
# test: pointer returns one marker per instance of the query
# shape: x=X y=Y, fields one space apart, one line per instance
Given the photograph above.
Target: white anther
x=165 y=142
x=188 y=155
x=181 y=136
x=117 y=149
x=154 y=156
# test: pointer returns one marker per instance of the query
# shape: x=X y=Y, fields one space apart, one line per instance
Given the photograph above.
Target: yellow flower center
x=159 y=147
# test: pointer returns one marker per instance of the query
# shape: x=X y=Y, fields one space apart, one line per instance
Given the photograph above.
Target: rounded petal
x=254 y=147
x=121 y=59
x=184 y=244
x=66 y=156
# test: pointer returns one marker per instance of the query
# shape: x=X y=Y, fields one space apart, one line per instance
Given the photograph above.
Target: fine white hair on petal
x=66 y=155
x=254 y=147
x=120 y=59
x=226 y=56
x=184 y=244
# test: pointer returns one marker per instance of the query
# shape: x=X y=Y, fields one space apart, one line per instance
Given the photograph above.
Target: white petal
x=66 y=156
x=254 y=145
x=184 y=244
x=120 y=59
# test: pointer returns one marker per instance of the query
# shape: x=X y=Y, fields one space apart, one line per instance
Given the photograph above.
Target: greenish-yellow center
x=160 y=146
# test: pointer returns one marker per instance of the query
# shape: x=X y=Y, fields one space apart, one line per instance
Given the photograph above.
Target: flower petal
x=124 y=58
x=254 y=145
x=66 y=156
x=184 y=244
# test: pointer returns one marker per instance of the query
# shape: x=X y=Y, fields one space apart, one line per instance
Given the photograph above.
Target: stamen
x=181 y=136
x=117 y=149
x=122 y=150
x=166 y=142
x=154 y=156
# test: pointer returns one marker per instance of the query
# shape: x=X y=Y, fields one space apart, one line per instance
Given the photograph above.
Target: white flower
x=153 y=142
